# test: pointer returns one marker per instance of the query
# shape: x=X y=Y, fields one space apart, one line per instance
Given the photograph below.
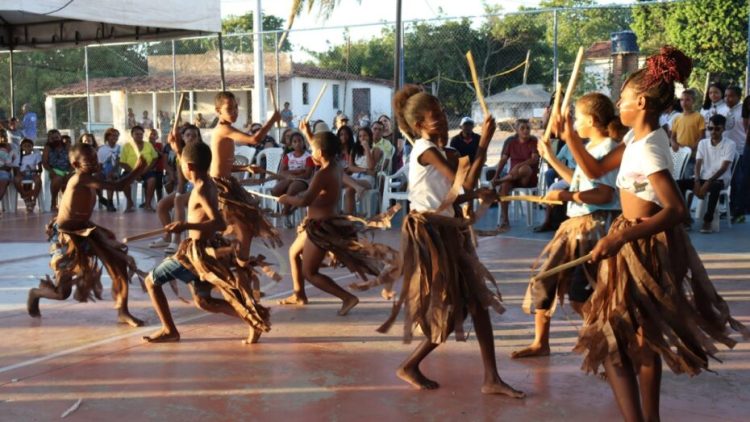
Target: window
x=305 y=93
x=335 y=96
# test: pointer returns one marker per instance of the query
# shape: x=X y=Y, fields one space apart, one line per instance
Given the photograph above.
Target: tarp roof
x=38 y=24
x=534 y=93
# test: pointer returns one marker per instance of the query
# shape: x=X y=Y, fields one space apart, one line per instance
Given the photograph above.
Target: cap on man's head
x=466 y=120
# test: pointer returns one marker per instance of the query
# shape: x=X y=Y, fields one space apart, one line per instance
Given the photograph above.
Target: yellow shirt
x=130 y=157
x=689 y=129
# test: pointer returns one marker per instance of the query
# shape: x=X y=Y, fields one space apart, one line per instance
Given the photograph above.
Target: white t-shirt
x=30 y=162
x=734 y=129
x=713 y=156
x=666 y=119
x=716 y=108
x=106 y=153
x=581 y=183
x=427 y=187
x=642 y=158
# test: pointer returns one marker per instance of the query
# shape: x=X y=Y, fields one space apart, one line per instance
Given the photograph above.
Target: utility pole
x=259 y=83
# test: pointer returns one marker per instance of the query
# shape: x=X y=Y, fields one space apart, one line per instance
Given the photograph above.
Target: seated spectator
x=521 y=150
x=15 y=134
x=688 y=126
x=712 y=168
x=361 y=170
x=346 y=136
x=129 y=157
x=200 y=121
x=667 y=117
x=466 y=142
x=382 y=148
x=555 y=214
x=55 y=161
x=29 y=179
x=67 y=141
x=109 y=159
x=341 y=121
x=6 y=167
x=296 y=171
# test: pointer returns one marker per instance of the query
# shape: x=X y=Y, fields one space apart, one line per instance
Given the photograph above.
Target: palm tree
x=325 y=8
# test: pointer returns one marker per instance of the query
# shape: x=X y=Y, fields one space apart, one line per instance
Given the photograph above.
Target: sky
x=351 y=12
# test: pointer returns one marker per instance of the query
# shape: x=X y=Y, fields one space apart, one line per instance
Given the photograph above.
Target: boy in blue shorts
x=204 y=260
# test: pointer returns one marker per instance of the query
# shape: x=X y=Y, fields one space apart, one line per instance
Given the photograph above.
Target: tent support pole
x=12 y=86
x=88 y=93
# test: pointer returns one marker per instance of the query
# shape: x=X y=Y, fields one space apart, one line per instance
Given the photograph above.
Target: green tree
x=649 y=25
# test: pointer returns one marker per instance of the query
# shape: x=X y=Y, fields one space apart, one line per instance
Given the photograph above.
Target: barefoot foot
x=293 y=300
x=124 y=317
x=534 y=350
x=417 y=379
x=253 y=337
x=163 y=336
x=32 y=306
x=348 y=305
x=499 y=387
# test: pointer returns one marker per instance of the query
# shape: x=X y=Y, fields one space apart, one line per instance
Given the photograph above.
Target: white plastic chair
x=10 y=200
x=393 y=187
x=680 y=159
x=273 y=158
x=524 y=207
x=248 y=154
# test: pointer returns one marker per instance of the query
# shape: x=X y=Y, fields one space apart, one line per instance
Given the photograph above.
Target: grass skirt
x=659 y=285
x=242 y=212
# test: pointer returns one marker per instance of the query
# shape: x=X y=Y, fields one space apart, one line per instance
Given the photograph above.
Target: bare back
x=77 y=204
x=222 y=151
x=326 y=202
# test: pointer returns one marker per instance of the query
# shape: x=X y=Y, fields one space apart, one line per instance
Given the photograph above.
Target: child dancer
x=591 y=203
x=325 y=232
x=443 y=277
x=653 y=298
x=203 y=260
x=77 y=242
x=239 y=208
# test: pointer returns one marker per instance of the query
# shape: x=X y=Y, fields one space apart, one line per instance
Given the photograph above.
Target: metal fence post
x=174 y=82
x=221 y=64
x=12 y=87
x=276 y=82
x=555 y=76
x=88 y=93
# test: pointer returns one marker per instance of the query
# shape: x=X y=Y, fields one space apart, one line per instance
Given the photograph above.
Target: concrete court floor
x=315 y=365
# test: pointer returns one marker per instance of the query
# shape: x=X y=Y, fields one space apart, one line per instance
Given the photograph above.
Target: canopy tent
x=55 y=24
x=37 y=24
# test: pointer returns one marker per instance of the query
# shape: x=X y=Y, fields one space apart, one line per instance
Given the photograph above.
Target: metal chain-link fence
x=518 y=57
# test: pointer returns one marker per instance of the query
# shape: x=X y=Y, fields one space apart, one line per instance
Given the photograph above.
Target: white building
x=198 y=76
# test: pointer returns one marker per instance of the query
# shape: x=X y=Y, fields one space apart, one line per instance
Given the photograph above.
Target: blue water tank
x=624 y=42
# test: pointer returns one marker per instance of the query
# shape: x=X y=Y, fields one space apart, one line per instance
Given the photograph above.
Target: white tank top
x=427 y=187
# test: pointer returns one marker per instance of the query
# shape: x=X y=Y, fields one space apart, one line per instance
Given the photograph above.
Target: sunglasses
x=715 y=128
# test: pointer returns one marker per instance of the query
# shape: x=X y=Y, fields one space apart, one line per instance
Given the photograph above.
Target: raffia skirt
x=207 y=259
x=241 y=211
x=345 y=239
x=75 y=256
x=657 y=285
x=575 y=237
x=443 y=277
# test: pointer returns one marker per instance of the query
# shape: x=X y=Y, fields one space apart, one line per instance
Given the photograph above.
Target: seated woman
x=296 y=171
x=361 y=169
x=30 y=170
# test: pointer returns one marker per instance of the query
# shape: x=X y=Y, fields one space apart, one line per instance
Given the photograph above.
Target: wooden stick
x=144 y=235
x=317 y=101
x=553 y=112
x=563 y=267
x=178 y=112
x=572 y=82
x=263 y=195
x=475 y=79
x=273 y=102
x=529 y=198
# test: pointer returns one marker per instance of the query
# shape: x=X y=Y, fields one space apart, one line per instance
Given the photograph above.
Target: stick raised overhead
x=475 y=80
x=553 y=113
x=572 y=82
x=317 y=101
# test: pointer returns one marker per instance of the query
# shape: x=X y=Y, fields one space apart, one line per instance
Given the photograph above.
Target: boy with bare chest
x=204 y=260
x=239 y=208
x=78 y=242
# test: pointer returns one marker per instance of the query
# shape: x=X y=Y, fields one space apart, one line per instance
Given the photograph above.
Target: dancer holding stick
x=325 y=233
x=240 y=209
x=438 y=299
x=77 y=243
x=591 y=203
x=653 y=298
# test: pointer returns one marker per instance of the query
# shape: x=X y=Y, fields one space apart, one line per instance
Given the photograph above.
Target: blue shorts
x=171 y=269
x=5 y=176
